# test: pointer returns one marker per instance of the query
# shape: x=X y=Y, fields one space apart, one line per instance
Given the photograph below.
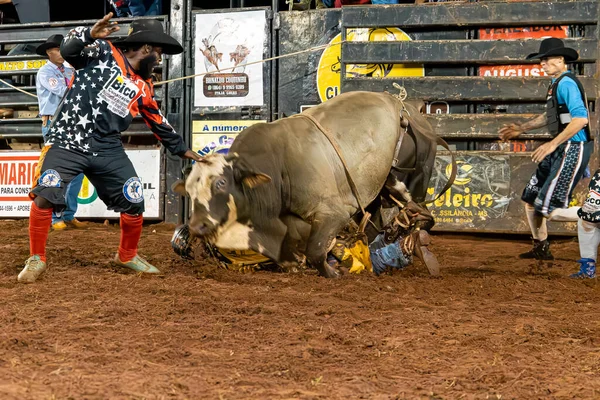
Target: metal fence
x=446 y=41
x=22 y=70
x=491 y=169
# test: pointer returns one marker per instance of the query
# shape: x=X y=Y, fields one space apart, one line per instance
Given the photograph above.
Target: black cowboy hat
x=553 y=47
x=52 y=42
x=149 y=31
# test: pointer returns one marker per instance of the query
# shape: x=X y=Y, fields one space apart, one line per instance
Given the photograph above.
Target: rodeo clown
x=110 y=87
x=564 y=159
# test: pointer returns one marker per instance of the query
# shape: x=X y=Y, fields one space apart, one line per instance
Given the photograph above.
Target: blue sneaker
x=587 y=269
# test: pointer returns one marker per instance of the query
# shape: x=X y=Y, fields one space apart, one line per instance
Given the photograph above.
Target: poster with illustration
x=224 y=45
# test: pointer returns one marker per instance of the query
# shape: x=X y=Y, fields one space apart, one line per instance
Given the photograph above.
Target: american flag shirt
x=104 y=96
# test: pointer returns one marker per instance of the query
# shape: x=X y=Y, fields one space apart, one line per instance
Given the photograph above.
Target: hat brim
x=41 y=49
x=569 y=54
x=169 y=44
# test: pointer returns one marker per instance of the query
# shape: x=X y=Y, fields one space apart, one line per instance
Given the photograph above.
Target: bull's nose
x=199 y=229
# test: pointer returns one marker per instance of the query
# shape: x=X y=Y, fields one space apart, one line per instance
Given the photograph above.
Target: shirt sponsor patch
x=592 y=203
x=53 y=82
x=120 y=93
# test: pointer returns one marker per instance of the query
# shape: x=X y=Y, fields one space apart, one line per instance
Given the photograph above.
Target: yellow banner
x=21 y=65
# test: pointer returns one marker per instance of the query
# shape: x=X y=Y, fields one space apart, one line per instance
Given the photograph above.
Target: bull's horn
x=231 y=156
x=185 y=171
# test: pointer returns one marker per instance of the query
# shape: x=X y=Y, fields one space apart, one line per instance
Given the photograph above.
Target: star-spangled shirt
x=104 y=96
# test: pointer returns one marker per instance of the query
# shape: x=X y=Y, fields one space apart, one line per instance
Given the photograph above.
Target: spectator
x=438 y=1
x=8 y=12
x=52 y=83
x=136 y=8
x=340 y=3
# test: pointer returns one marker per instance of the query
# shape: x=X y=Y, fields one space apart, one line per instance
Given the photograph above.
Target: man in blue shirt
x=52 y=83
x=561 y=161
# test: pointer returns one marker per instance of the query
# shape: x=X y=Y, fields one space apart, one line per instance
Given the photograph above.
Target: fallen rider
x=393 y=248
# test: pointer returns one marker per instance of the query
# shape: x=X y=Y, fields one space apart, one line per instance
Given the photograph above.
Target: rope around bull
x=316 y=48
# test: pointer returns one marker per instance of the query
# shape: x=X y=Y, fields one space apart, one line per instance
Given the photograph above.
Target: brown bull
x=284 y=188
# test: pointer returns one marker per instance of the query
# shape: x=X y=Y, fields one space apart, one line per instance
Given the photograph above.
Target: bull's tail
x=452 y=176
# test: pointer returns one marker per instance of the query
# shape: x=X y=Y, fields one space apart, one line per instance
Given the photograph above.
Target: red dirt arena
x=487 y=329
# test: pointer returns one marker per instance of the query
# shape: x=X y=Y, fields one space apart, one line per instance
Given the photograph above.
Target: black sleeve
x=79 y=48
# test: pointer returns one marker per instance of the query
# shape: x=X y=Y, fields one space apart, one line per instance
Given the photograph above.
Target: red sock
x=131 y=230
x=40 y=220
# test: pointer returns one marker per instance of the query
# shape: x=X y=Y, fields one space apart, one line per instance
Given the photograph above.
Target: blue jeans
x=73 y=189
x=139 y=8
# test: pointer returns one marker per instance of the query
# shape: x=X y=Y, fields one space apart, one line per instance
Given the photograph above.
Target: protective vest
x=558 y=115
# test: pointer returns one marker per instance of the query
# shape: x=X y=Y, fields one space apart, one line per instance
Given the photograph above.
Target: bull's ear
x=252 y=180
x=179 y=187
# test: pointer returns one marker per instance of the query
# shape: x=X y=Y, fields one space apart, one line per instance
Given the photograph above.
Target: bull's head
x=216 y=186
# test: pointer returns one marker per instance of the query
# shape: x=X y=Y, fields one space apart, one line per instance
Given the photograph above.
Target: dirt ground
x=488 y=329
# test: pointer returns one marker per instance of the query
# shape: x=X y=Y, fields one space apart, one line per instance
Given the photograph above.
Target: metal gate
x=486 y=195
x=449 y=48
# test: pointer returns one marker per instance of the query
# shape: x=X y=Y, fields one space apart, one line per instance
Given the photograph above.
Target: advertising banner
x=527 y=32
x=17 y=171
x=329 y=71
x=212 y=143
x=480 y=193
x=211 y=137
x=224 y=43
x=21 y=65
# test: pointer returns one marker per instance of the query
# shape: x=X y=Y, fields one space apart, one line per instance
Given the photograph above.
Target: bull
x=288 y=187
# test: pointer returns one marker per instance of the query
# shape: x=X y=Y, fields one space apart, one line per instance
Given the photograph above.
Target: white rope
x=220 y=70
x=253 y=62
x=20 y=90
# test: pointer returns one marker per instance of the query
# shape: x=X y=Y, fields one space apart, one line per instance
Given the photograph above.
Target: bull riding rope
x=322 y=47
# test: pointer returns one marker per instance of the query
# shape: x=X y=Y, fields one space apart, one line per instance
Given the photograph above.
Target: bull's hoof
x=328 y=271
x=293 y=267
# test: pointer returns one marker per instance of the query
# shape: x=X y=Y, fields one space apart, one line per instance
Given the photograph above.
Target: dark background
x=69 y=10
